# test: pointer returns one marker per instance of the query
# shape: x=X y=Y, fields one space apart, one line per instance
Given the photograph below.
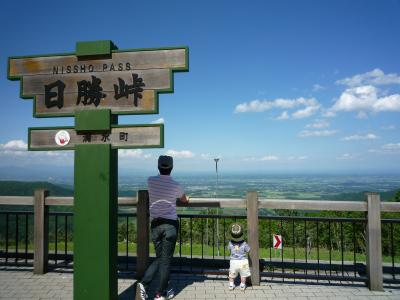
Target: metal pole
x=216 y=194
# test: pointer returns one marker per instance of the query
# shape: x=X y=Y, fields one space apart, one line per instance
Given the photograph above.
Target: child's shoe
x=231 y=286
x=242 y=287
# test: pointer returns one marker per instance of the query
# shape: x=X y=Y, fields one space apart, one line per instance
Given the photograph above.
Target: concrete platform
x=21 y=283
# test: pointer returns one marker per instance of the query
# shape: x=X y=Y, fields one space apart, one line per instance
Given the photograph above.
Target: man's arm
x=184 y=199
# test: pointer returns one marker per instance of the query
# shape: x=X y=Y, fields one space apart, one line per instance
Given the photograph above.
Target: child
x=239 y=263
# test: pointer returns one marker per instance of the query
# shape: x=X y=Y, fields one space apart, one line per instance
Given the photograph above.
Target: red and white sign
x=62 y=138
x=277 y=241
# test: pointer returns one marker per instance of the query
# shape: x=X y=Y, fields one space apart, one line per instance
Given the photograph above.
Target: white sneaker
x=231 y=287
x=141 y=290
x=170 y=294
x=242 y=287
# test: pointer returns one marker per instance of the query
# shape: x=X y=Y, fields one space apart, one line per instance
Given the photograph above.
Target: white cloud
x=389 y=127
x=269 y=158
x=374 y=77
x=14 y=145
x=17 y=152
x=391 y=147
x=304 y=157
x=389 y=103
x=253 y=106
x=180 y=154
x=327 y=113
x=158 y=121
x=316 y=133
x=283 y=116
x=369 y=136
x=305 y=112
x=365 y=99
x=250 y=159
x=316 y=87
x=263 y=105
x=318 y=124
x=347 y=156
x=133 y=153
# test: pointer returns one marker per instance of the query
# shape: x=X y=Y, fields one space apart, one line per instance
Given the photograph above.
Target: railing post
x=252 y=234
x=374 y=243
x=142 y=228
x=41 y=232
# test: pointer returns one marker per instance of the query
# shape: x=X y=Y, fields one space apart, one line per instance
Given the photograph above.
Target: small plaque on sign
x=62 y=138
x=124 y=137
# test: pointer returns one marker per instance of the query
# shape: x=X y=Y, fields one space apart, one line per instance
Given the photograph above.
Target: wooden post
x=142 y=227
x=374 y=243
x=41 y=233
x=252 y=234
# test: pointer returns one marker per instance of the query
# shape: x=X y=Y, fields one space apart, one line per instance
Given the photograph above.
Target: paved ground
x=18 y=283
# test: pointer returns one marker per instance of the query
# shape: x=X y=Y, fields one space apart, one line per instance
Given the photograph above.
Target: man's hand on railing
x=183 y=200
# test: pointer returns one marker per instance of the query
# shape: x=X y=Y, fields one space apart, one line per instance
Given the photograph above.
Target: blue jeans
x=164 y=238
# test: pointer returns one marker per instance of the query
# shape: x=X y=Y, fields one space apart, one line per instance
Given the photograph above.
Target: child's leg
x=231 y=283
x=233 y=272
x=242 y=283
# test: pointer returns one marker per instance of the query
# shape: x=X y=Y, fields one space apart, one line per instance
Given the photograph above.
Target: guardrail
x=41 y=201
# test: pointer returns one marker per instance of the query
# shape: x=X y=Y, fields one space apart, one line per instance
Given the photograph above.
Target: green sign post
x=96 y=84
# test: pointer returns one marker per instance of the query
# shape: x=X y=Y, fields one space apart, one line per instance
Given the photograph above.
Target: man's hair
x=165 y=171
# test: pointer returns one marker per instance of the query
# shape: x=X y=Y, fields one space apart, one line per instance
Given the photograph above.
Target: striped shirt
x=163 y=192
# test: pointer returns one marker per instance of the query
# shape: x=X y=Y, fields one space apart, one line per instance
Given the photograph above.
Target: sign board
x=65 y=138
x=93 y=85
x=277 y=241
x=126 y=82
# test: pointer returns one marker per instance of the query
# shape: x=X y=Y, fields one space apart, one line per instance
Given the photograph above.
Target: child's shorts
x=239 y=267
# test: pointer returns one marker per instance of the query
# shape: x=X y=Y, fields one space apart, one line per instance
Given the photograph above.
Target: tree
x=397 y=196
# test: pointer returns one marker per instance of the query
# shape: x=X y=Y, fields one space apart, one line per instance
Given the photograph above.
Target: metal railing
x=316 y=248
x=15 y=244
x=334 y=249
x=389 y=226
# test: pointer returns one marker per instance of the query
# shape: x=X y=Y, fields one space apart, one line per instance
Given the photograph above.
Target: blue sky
x=273 y=86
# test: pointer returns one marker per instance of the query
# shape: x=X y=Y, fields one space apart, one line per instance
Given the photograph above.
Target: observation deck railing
x=317 y=248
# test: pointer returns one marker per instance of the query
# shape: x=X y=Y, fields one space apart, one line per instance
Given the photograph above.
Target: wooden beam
x=327 y=205
x=374 y=243
x=390 y=206
x=125 y=60
x=143 y=232
x=253 y=236
x=17 y=200
x=41 y=233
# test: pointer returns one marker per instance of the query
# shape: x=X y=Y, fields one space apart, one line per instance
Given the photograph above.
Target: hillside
x=25 y=188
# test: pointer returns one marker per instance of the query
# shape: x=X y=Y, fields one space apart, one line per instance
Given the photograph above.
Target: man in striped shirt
x=163 y=193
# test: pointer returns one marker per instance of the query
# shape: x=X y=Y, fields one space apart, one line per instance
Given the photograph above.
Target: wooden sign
x=65 y=138
x=126 y=82
x=92 y=85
